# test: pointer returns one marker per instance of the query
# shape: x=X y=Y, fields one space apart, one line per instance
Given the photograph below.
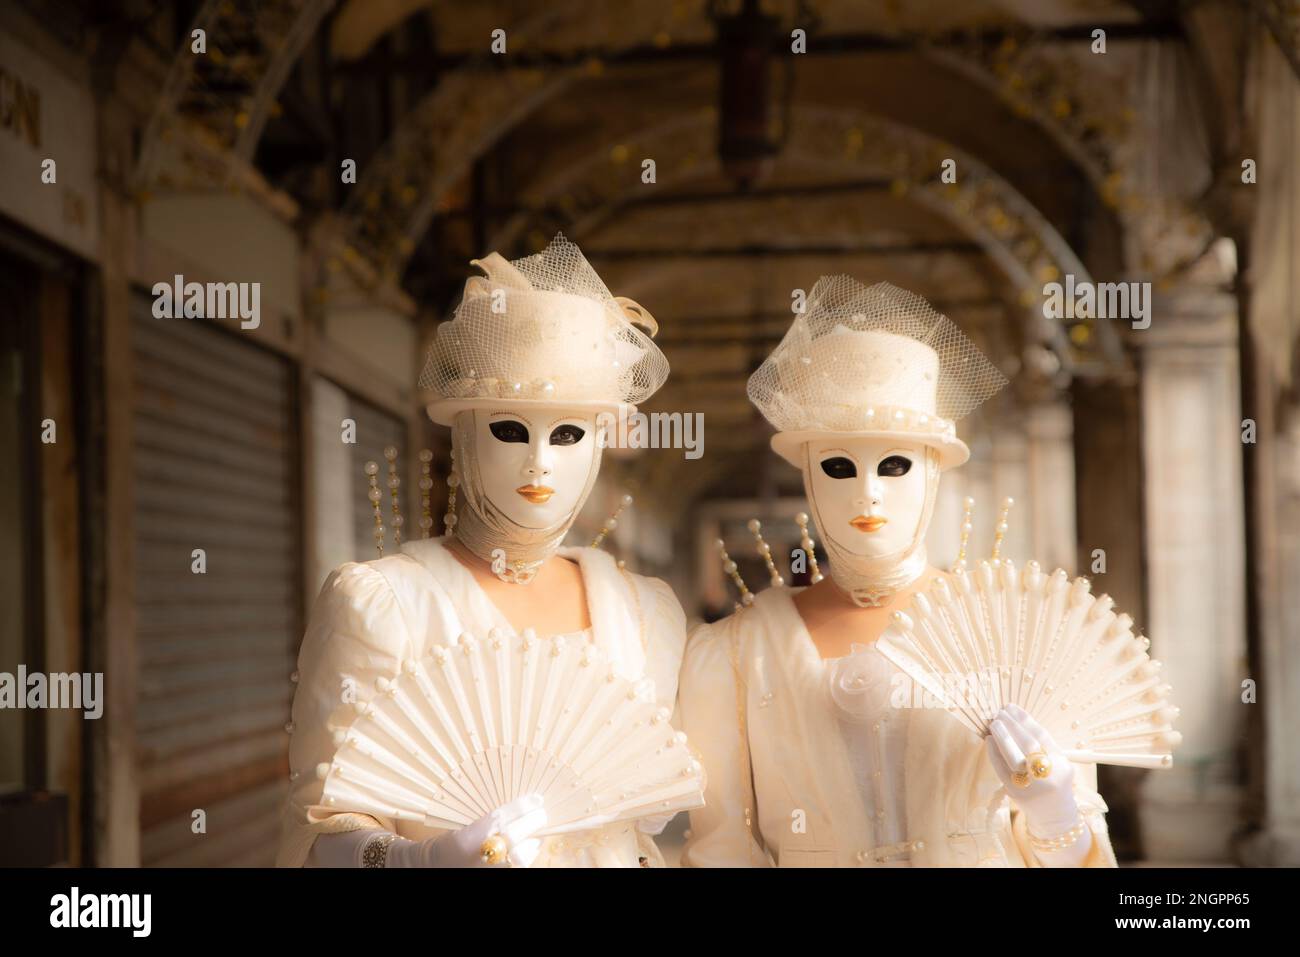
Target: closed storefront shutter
x=214 y=470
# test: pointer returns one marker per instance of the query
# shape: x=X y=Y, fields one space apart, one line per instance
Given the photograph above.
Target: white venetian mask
x=870 y=493
x=872 y=499
x=535 y=466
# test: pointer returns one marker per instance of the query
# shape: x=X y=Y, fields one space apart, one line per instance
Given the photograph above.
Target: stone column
x=1274 y=480
x=1277 y=844
x=1191 y=451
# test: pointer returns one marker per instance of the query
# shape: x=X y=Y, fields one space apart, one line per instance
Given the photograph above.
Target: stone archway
x=1025 y=248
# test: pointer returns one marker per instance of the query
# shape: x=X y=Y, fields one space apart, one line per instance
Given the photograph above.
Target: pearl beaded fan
x=989 y=636
x=476 y=724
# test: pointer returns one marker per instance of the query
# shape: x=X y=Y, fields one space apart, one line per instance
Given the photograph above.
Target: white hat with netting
x=872 y=361
x=542 y=330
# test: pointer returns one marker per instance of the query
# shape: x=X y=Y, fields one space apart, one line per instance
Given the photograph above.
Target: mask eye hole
x=567 y=435
x=894 y=466
x=839 y=467
x=509 y=430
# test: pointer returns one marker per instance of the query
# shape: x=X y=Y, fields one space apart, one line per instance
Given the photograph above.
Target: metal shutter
x=214 y=457
x=376 y=430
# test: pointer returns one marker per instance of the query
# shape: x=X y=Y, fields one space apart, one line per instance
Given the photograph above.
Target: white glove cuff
x=345 y=848
x=1052 y=819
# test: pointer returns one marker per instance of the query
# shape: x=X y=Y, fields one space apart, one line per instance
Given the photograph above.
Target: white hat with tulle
x=542 y=330
x=872 y=361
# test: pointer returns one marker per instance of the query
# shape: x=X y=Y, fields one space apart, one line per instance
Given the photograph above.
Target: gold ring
x=1039 y=765
x=493 y=850
x=1020 y=779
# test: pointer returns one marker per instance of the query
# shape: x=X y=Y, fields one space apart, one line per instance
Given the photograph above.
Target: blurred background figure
x=176 y=489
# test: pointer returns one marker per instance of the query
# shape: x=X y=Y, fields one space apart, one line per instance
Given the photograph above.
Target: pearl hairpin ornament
x=1000 y=529
x=968 y=508
x=453 y=483
x=376 y=497
x=394 y=483
x=611 y=523
x=765 y=552
x=808 y=546
x=426 y=484
x=729 y=566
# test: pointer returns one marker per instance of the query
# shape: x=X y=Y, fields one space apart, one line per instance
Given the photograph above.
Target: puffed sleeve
x=708 y=699
x=1093 y=809
x=356 y=633
x=665 y=637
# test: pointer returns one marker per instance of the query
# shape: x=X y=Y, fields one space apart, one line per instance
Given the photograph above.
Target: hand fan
x=988 y=637
x=475 y=724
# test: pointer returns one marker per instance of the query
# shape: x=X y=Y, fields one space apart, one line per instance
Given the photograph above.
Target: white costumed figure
x=810 y=761
x=534 y=356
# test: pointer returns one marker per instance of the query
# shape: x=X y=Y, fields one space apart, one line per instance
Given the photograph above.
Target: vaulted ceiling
x=460 y=150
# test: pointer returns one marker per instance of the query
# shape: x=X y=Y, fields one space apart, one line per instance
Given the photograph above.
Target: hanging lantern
x=746 y=144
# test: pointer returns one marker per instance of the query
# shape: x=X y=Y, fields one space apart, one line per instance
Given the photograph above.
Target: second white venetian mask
x=872 y=499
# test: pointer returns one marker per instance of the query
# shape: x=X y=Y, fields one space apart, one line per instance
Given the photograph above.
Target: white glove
x=517 y=822
x=1047 y=803
x=654 y=824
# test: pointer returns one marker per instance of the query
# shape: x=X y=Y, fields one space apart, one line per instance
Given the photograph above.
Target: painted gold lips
x=868 y=523
x=537 y=494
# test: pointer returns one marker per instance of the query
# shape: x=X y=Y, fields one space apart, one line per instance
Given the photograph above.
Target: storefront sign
x=46 y=116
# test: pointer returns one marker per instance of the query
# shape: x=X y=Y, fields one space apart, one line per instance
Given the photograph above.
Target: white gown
x=809 y=765
x=373 y=616
x=875 y=739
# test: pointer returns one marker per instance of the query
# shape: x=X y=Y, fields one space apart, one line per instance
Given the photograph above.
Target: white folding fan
x=475 y=724
x=990 y=636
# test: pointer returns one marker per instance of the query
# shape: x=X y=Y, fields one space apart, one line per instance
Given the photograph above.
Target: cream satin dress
x=373 y=616
x=809 y=764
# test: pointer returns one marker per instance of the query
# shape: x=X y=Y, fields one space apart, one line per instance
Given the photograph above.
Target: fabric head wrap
x=514 y=551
